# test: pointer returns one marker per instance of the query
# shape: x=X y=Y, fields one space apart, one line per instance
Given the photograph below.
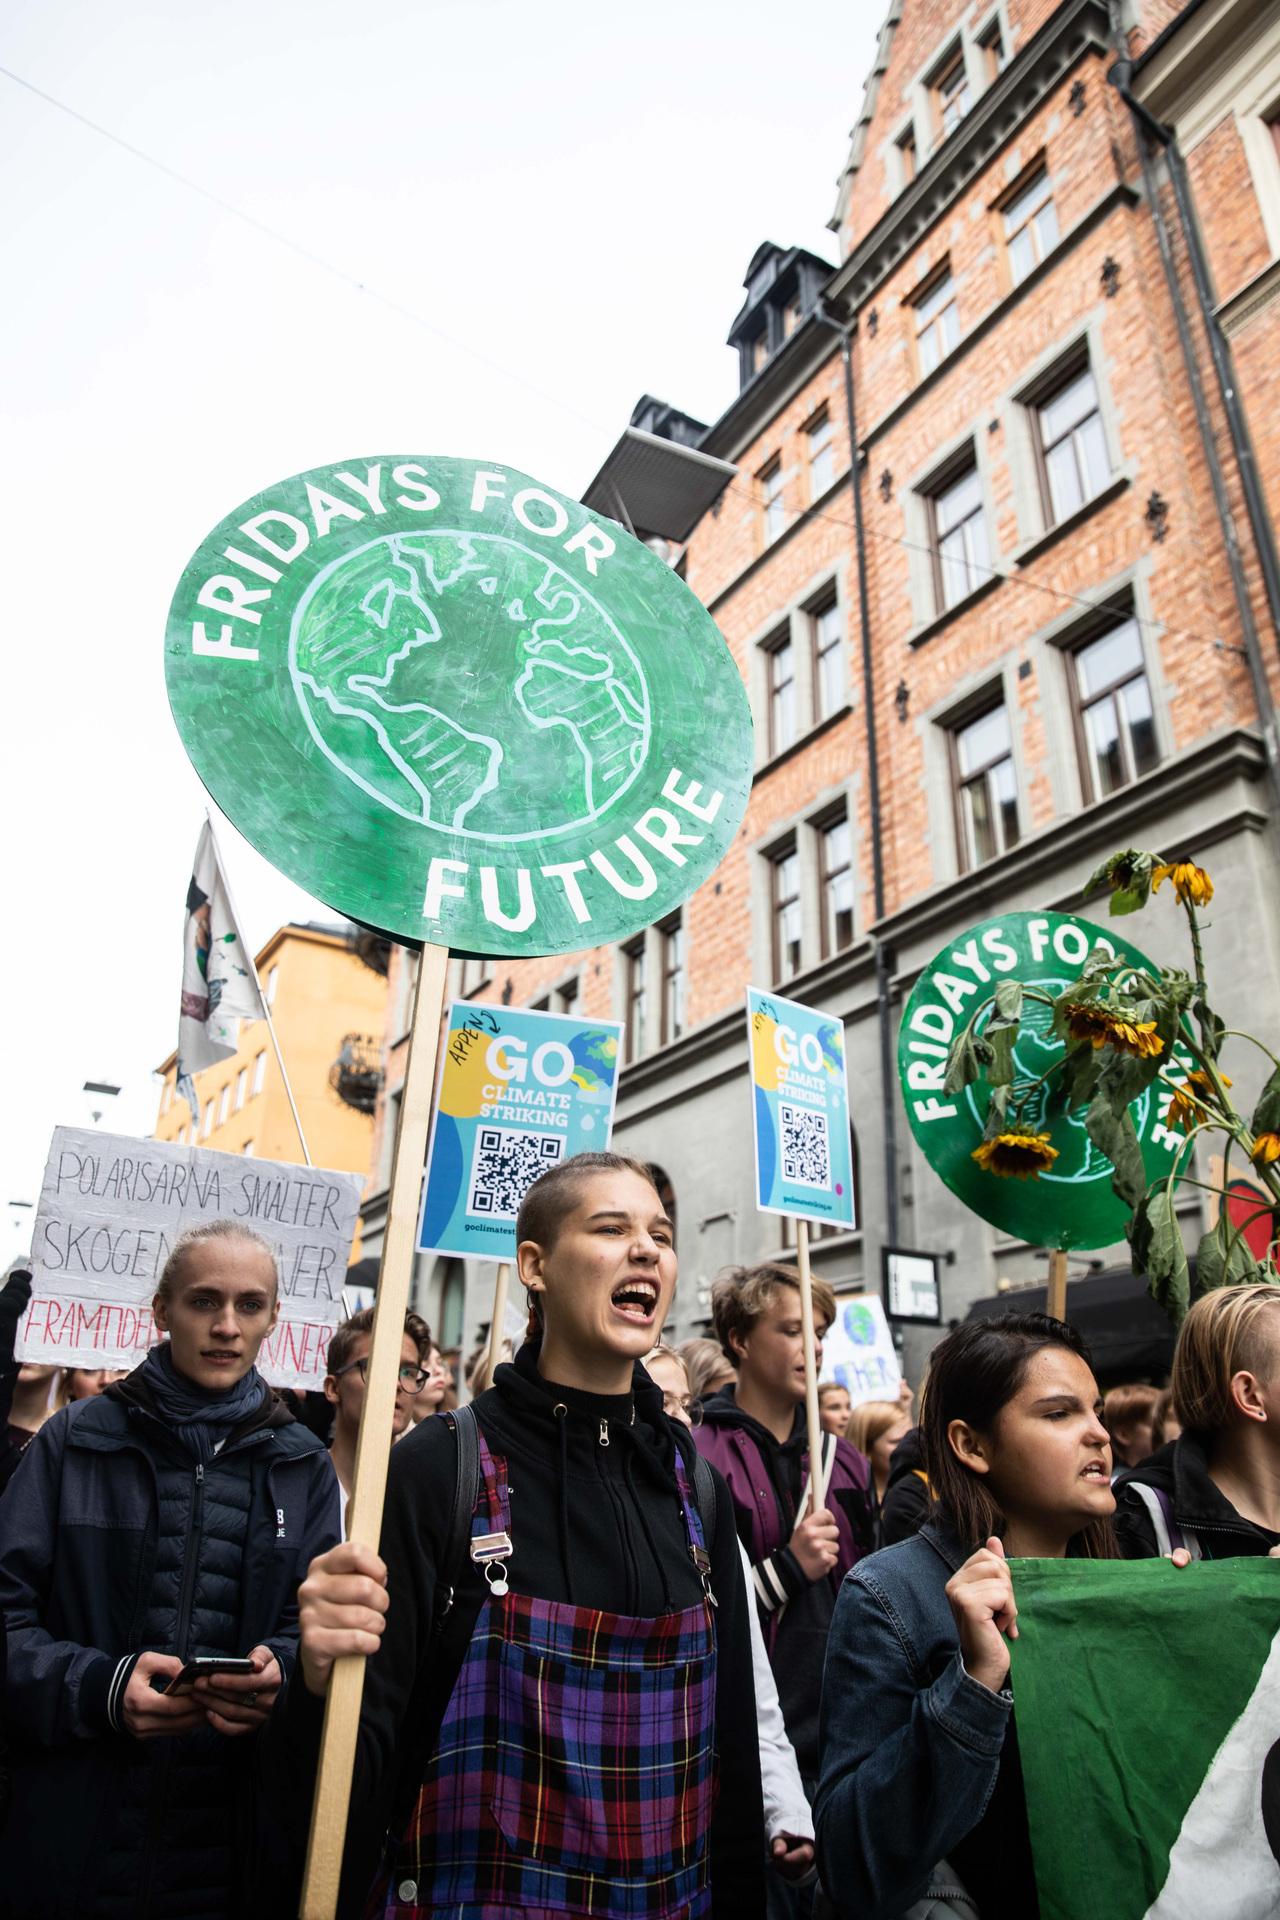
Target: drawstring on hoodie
x=560 y=1414
x=668 y=1604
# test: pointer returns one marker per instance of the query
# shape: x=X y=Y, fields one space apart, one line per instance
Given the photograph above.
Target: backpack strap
x=1169 y=1535
x=704 y=1495
x=466 y=1493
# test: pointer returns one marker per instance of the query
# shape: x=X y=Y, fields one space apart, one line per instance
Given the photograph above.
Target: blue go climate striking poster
x=800 y=1103
x=519 y=1092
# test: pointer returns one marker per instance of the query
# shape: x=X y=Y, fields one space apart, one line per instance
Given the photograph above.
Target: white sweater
x=785 y=1808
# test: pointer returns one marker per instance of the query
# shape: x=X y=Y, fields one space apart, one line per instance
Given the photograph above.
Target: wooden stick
x=373 y=1452
x=810 y=1365
x=500 y=1286
x=1056 y=1292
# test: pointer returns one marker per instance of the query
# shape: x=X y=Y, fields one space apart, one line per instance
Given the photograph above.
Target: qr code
x=804 y=1146
x=507 y=1162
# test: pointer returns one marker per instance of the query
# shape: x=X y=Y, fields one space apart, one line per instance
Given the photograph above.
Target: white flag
x=219 y=985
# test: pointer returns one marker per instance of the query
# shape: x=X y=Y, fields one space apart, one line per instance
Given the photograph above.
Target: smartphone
x=200 y=1667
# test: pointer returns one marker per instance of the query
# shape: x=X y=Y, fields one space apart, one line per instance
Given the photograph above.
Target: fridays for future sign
x=459 y=706
x=519 y=1092
x=110 y=1209
x=800 y=1106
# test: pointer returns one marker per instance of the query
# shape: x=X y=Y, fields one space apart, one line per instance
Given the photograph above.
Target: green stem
x=1196 y=948
x=1238 y=1033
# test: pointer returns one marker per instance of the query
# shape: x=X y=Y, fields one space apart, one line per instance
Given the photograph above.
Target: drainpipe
x=1151 y=133
x=888 y=1076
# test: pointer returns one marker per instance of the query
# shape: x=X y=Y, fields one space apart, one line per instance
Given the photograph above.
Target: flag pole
x=500 y=1283
x=262 y=998
x=373 y=1450
x=812 y=1416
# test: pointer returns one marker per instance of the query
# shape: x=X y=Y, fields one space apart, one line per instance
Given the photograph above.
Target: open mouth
x=636 y=1300
x=1096 y=1471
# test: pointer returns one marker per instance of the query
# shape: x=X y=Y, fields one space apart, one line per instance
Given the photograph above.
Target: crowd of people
x=621 y=1662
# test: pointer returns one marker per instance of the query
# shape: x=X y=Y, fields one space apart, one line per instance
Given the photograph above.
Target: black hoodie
x=1180 y=1471
x=595 y=1523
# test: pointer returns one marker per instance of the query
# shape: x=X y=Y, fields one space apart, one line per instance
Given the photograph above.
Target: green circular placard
x=459 y=706
x=1073 y=1204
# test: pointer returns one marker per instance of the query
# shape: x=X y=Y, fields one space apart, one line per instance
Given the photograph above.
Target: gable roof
x=870 y=96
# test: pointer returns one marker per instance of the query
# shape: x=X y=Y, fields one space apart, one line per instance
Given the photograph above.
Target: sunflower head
x=1187 y=1104
x=1191 y=884
x=1266 y=1149
x=1088 y=1021
x=1016 y=1154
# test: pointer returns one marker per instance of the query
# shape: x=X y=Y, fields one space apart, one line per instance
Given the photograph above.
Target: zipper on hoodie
x=604 y=1433
x=190 y=1554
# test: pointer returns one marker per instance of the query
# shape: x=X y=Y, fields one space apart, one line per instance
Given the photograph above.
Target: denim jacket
x=911 y=1743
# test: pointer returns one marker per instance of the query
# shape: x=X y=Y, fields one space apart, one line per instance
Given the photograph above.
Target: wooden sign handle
x=373 y=1451
x=501 y=1283
x=1056 y=1293
x=810 y=1365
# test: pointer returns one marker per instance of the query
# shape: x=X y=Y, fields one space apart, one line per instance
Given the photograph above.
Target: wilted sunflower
x=1103 y=1027
x=1190 y=882
x=1016 y=1154
x=1266 y=1149
x=1186 y=1108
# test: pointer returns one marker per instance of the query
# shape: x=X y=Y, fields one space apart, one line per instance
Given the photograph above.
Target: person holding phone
x=920 y=1788
x=165 y=1522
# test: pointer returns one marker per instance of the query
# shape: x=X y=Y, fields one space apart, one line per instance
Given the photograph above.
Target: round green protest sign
x=1071 y=1203
x=459 y=706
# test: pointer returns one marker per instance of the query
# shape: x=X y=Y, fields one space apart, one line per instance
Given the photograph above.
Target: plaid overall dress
x=574 y=1772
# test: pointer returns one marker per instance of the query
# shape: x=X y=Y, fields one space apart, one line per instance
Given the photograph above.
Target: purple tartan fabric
x=575 y=1767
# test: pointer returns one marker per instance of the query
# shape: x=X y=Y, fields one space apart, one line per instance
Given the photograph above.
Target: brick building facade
x=1045 y=627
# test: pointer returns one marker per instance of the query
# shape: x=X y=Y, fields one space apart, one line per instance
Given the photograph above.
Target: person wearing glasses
x=347 y=1364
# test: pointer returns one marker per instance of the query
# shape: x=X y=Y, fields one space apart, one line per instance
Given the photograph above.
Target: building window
x=835 y=847
x=781 y=661
x=475 y=974
x=906 y=145
x=774 y=512
x=242 y=1087
x=829 y=687
x=759 y=351
x=991 y=43
x=1030 y=225
x=673 y=978
x=247 y=1149
x=259 y=1074
x=1072 y=448
x=792 y=315
x=937 y=321
x=541 y=1005
x=821 y=454
x=985 y=787
x=566 y=997
x=951 y=96
x=959 y=538
x=1113 y=706
x=224 y=1103
x=635 y=997
x=273 y=974
x=207 y=1128
x=785 y=912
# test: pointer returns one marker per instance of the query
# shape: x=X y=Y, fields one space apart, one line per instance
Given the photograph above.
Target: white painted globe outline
x=1033 y=1010
x=471 y=537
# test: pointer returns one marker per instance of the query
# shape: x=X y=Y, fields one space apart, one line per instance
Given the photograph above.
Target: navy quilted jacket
x=112 y=1542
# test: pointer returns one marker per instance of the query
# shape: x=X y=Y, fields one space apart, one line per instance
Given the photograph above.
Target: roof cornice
x=777 y=383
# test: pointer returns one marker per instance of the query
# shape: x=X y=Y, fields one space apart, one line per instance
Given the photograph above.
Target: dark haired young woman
x=919 y=1758
x=546 y=1739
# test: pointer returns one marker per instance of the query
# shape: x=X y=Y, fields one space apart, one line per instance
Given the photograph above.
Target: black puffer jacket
x=113 y=1542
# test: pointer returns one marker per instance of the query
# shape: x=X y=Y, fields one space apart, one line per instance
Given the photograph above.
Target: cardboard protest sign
x=1072 y=1203
x=858 y=1353
x=1148 y=1710
x=459 y=706
x=800 y=1105
x=111 y=1208
x=519 y=1092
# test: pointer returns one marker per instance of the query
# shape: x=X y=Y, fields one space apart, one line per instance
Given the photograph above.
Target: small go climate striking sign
x=1071 y=1205
x=519 y=1093
x=800 y=1105
x=459 y=706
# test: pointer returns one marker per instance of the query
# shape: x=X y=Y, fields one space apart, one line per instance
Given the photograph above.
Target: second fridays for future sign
x=519 y=1092
x=800 y=1105
x=459 y=706
x=110 y=1209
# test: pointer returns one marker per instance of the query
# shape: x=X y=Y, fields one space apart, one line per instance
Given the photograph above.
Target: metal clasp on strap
x=491 y=1551
x=702 y=1561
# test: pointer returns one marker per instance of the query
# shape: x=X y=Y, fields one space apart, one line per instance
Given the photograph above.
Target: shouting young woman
x=919 y=1755
x=546 y=1713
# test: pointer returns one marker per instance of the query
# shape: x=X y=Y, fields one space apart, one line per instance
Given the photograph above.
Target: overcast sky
x=567 y=195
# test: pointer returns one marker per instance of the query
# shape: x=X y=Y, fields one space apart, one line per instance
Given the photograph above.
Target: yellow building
x=329 y=1010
